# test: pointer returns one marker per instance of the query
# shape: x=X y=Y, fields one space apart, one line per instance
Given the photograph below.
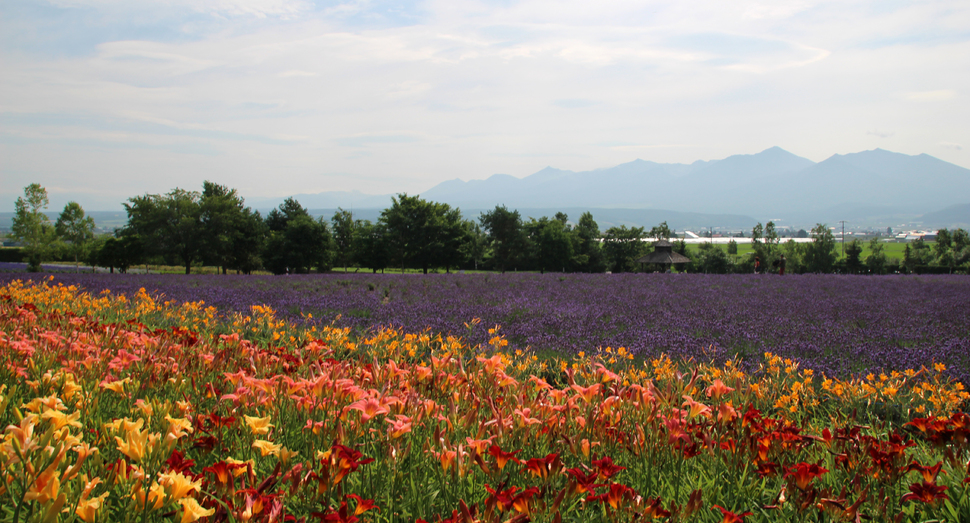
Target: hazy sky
x=101 y=100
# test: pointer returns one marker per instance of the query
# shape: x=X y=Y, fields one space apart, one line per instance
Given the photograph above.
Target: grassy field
x=891 y=249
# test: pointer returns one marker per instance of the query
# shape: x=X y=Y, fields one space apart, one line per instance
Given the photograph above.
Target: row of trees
x=214 y=227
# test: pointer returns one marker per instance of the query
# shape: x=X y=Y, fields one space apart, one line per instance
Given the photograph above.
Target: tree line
x=214 y=227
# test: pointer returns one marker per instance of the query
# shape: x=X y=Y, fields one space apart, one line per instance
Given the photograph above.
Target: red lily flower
x=929 y=473
x=605 y=467
x=731 y=517
x=804 y=474
x=654 y=510
x=223 y=471
x=177 y=463
x=340 y=515
x=363 y=505
x=617 y=493
x=767 y=469
x=502 y=457
x=584 y=482
x=926 y=492
x=541 y=467
x=521 y=502
x=501 y=498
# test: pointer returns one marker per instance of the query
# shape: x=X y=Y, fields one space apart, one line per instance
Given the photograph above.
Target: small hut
x=663 y=254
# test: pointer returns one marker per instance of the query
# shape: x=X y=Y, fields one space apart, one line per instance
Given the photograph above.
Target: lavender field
x=839 y=325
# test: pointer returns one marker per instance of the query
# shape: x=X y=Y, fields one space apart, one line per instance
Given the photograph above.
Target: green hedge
x=11 y=254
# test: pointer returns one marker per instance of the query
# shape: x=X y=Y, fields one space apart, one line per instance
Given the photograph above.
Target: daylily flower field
x=129 y=405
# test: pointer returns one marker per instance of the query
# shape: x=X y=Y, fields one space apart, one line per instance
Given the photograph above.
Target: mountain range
x=876 y=187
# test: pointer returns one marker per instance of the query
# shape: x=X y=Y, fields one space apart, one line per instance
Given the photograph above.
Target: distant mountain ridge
x=773 y=184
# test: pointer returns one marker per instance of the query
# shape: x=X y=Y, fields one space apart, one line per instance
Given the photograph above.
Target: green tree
x=794 y=255
x=371 y=246
x=819 y=256
x=31 y=227
x=588 y=251
x=295 y=241
x=711 y=259
x=943 y=248
x=554 y=247
x=960 y=247
x=756 y=236
x=853 y=256
x=509 y=243
x=121 y=251
x=230 y=233
x=623 y=247
x=916 y=254
x=770 y=237
x=77 y=229
x=732 y=247
x=876 y=261
x=168 y=225
x=343 y=237
x=660 y=232
x=424 y=234
x=476 y=244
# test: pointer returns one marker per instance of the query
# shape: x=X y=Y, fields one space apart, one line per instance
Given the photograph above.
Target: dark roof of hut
x=664 y=257
x=663 y=254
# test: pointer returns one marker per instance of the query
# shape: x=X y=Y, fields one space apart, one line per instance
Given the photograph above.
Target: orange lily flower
x=718 y=389
x=368 y=408
x=587 y=393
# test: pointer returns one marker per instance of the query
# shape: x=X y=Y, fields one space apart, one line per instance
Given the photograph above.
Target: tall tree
x=121 y=251
x=711 y=259
x=31 y=227
x=771 y=237
x=509 y=243
x=230 y=232
x=423 y=234
x=623 y=246
x=476 y=244
x=553 y=246
x=296 y=242
x=943 y=248
x=168 y=225
x=820 y=254
x=77 y=229
x=343 y=237
x=853 y=256
x=587 y=248
x=960 y=246
x=661 y=231
x=370 y=245
x=876 y=261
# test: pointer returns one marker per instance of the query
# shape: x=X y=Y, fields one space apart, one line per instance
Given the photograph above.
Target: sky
x=103 y=100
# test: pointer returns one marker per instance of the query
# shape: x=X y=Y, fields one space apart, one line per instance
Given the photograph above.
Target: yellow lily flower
x=259 y=426
x=266 y=448
x=193 y=511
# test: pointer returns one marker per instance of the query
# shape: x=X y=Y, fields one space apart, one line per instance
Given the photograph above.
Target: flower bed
x=121 y=408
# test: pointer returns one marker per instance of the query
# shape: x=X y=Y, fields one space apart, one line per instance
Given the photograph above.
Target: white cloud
x=880 y=134
x=258 y=8
x=296 y=73
x=931 y=96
